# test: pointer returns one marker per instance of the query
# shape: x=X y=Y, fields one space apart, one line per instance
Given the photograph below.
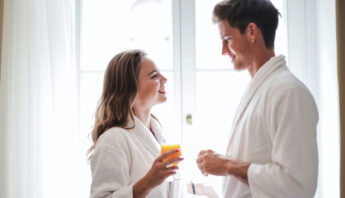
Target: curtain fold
x=2 y=139
x=1 y=19
x=340 y=17
x=39 y=99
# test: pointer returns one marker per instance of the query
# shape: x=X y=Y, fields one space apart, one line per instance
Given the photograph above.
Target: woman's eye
x=155 y=76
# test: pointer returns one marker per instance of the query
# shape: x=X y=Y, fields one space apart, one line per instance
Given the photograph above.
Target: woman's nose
x=163 y=80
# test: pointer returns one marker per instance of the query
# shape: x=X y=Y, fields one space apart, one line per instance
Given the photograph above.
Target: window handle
x=189 y=119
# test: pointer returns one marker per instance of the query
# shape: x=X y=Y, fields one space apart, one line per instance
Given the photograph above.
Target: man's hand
x=210 y=162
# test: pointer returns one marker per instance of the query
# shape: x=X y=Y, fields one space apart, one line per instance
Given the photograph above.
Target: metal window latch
x=189 y=119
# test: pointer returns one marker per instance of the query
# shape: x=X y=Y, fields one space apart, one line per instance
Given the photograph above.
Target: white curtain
x=39 y=124
x=313 y=58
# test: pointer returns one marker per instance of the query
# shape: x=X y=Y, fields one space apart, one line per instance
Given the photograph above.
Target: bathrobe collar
x=272 y=65
x=150 y=141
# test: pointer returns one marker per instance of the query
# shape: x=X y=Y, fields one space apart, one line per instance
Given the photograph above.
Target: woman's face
x=151 y=90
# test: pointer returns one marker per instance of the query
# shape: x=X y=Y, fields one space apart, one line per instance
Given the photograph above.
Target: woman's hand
x=157 y=174
x=161 y=170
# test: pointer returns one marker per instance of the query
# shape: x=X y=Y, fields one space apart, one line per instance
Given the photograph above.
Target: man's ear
x=252 y=32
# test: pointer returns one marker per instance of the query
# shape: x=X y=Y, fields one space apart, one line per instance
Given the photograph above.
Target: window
x=184 y=43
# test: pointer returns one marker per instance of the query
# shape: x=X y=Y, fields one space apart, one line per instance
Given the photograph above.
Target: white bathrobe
x=275 y=130
x=122 y=157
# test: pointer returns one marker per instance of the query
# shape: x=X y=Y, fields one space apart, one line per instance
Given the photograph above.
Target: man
x=273 y=148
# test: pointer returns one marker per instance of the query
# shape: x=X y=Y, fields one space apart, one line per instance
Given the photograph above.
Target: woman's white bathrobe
x=122 y=157
x=275 y=129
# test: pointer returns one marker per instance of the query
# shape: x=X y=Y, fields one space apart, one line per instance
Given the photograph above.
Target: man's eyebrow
x=152 y=72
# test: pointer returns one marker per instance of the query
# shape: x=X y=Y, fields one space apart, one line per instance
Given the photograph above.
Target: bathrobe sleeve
x=110 y=169
x=291 y=117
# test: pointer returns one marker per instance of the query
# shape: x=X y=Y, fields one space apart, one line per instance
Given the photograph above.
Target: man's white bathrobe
x=124 y=156
x=275 y=130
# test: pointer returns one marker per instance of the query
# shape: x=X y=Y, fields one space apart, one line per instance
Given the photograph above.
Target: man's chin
x=239 y=68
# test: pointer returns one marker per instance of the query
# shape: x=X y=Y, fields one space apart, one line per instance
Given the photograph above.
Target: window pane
x=217 y=97
x=208 y=42
x=166 y=112
x=281 y=42
x=109 y=27
x=91 y=85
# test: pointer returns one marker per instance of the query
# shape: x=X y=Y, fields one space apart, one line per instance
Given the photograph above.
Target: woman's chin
x=162 y=99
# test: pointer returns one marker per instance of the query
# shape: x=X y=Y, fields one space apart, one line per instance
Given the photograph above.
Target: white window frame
x=302 y=36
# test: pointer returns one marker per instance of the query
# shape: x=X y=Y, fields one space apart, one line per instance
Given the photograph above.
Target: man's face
x=235 y=45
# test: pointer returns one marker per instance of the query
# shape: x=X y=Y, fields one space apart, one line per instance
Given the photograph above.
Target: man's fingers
x=209 y=151
x=201 y=153
x=203 y=171
x=202 y=157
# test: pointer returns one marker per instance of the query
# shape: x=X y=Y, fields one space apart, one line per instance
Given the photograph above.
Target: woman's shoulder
x=114 y=136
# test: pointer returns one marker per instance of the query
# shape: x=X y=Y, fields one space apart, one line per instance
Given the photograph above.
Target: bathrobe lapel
x=150 y=141
x=265 y=71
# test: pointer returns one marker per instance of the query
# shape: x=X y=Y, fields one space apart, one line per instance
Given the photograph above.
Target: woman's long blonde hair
x=119 y=91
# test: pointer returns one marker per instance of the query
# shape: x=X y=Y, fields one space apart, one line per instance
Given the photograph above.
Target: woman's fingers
x=165 y=172
x=167 y=154
x=171 y=168
x=169 y=174
x=172 y=160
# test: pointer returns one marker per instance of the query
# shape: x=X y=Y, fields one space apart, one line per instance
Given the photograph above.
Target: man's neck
x=259 y=59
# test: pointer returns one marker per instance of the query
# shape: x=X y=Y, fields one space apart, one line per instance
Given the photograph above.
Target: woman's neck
x=144 y=116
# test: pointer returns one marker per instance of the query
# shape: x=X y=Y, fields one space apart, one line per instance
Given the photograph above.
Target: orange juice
x=167 y=147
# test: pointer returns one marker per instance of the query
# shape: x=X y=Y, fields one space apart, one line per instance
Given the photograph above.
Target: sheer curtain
x=39 y=100
x=313 y=58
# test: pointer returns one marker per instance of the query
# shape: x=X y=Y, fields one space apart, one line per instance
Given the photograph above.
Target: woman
x=126 y=160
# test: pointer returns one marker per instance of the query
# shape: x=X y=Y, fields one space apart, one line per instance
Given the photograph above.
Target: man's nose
x=225 y=49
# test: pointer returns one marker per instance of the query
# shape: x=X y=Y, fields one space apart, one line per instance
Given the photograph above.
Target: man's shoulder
x=284 y=81
x=284 y=84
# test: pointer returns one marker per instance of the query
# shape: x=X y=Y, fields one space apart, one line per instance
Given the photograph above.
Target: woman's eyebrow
x=152 y=72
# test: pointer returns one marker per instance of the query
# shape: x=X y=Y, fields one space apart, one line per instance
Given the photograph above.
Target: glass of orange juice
x=168 y=147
